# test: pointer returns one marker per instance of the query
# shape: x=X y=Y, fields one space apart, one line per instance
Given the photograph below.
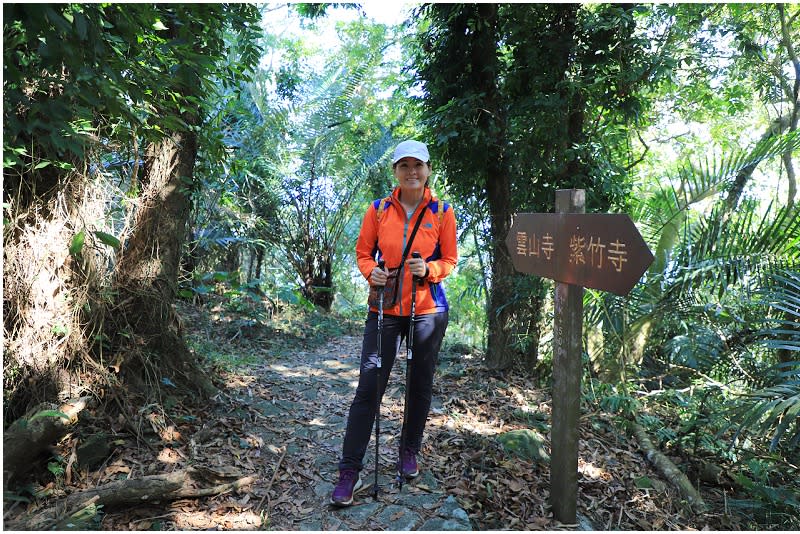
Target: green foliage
x=699 y=348
x=773 y=494
x=545 y=114
x=76 y=73
x=107 y=239
x=56 y=468
x=69 y=47
x=338 y=156
x=750 y=423
x=466 y=292
x=305 y=157
x=699 y=307
x=773 y=411
x=707 y=264
x=693 y=421
x=313 y=11
x=223 y=359
x=76 y=245
x=291 y=151
x=611 y=398
x=583 y=59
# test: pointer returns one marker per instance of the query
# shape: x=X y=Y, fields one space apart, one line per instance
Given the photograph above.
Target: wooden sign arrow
x=598 y=250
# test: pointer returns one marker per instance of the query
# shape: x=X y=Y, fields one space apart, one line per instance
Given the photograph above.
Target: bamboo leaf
x=107 y=239
x=76 y=245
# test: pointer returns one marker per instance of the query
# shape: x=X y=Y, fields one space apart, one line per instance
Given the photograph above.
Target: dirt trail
x=280 y=417
x=297 y=408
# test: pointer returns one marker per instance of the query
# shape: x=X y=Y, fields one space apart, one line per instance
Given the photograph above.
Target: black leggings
x=428 y=334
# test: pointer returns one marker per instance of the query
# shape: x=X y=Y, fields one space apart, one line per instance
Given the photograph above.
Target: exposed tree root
x=670 y=471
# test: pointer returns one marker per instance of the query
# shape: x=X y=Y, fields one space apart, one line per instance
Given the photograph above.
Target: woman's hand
x=378 y=277
x=417 y=266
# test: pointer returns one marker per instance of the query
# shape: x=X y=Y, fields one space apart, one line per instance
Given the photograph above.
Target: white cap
x=411 y=149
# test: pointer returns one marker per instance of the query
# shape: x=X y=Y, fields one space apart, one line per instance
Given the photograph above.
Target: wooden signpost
x=577 y=250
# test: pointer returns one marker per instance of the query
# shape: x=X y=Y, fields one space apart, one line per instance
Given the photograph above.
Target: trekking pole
x=378 y=383
x=409 y=358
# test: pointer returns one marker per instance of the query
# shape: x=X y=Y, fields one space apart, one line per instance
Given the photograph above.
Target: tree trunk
x=148 y=264
x=231 y=262
x=499 y=354
x=777 y=127
x=318 y=279
x=793 y=95
x=790 y=175
x=259 y=261
x=534 y=331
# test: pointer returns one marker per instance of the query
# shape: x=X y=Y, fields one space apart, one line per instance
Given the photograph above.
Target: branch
x=787 y=42
x=795 y=95
x=182 y=484
x=644 y=154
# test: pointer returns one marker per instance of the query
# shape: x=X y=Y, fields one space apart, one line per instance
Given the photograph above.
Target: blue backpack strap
x=438 y=207
x=381 y=206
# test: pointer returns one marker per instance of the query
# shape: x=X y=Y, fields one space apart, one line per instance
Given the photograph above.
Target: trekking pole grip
x=381 y=265
x=417 y=255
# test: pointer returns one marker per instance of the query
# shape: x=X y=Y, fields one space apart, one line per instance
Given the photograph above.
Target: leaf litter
x=281 y=417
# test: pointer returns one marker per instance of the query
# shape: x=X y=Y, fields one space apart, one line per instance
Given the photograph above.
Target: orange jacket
x=435 y=241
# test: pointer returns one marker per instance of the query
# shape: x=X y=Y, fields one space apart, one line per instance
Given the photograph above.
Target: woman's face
x=412 y=174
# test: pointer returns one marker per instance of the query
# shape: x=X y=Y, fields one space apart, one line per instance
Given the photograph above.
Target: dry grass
x=54 y=302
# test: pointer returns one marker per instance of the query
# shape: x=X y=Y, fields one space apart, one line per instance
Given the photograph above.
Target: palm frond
x=665 y=212
x=724 y=251
x=775 y=409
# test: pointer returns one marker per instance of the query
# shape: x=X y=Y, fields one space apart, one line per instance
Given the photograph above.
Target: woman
x=387 y=226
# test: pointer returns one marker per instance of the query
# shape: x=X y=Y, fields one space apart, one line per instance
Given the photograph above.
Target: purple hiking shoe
x=349 y=483
x=408 y=464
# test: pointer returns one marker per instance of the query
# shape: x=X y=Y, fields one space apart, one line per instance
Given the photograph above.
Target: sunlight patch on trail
x=194 y=520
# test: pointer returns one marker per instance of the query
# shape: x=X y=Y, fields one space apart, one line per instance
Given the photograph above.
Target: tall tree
x=727 y=58
x=72 y=93
x=323 y=136
x=149 y=262
x=84 y=87
x=461 y=69
x=510 y=114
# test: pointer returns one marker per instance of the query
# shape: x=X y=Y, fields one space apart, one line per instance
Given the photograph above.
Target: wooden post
x=567 y=350
x=598 y=250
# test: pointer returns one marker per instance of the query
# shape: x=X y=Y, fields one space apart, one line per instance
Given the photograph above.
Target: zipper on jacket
x=401 y=273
